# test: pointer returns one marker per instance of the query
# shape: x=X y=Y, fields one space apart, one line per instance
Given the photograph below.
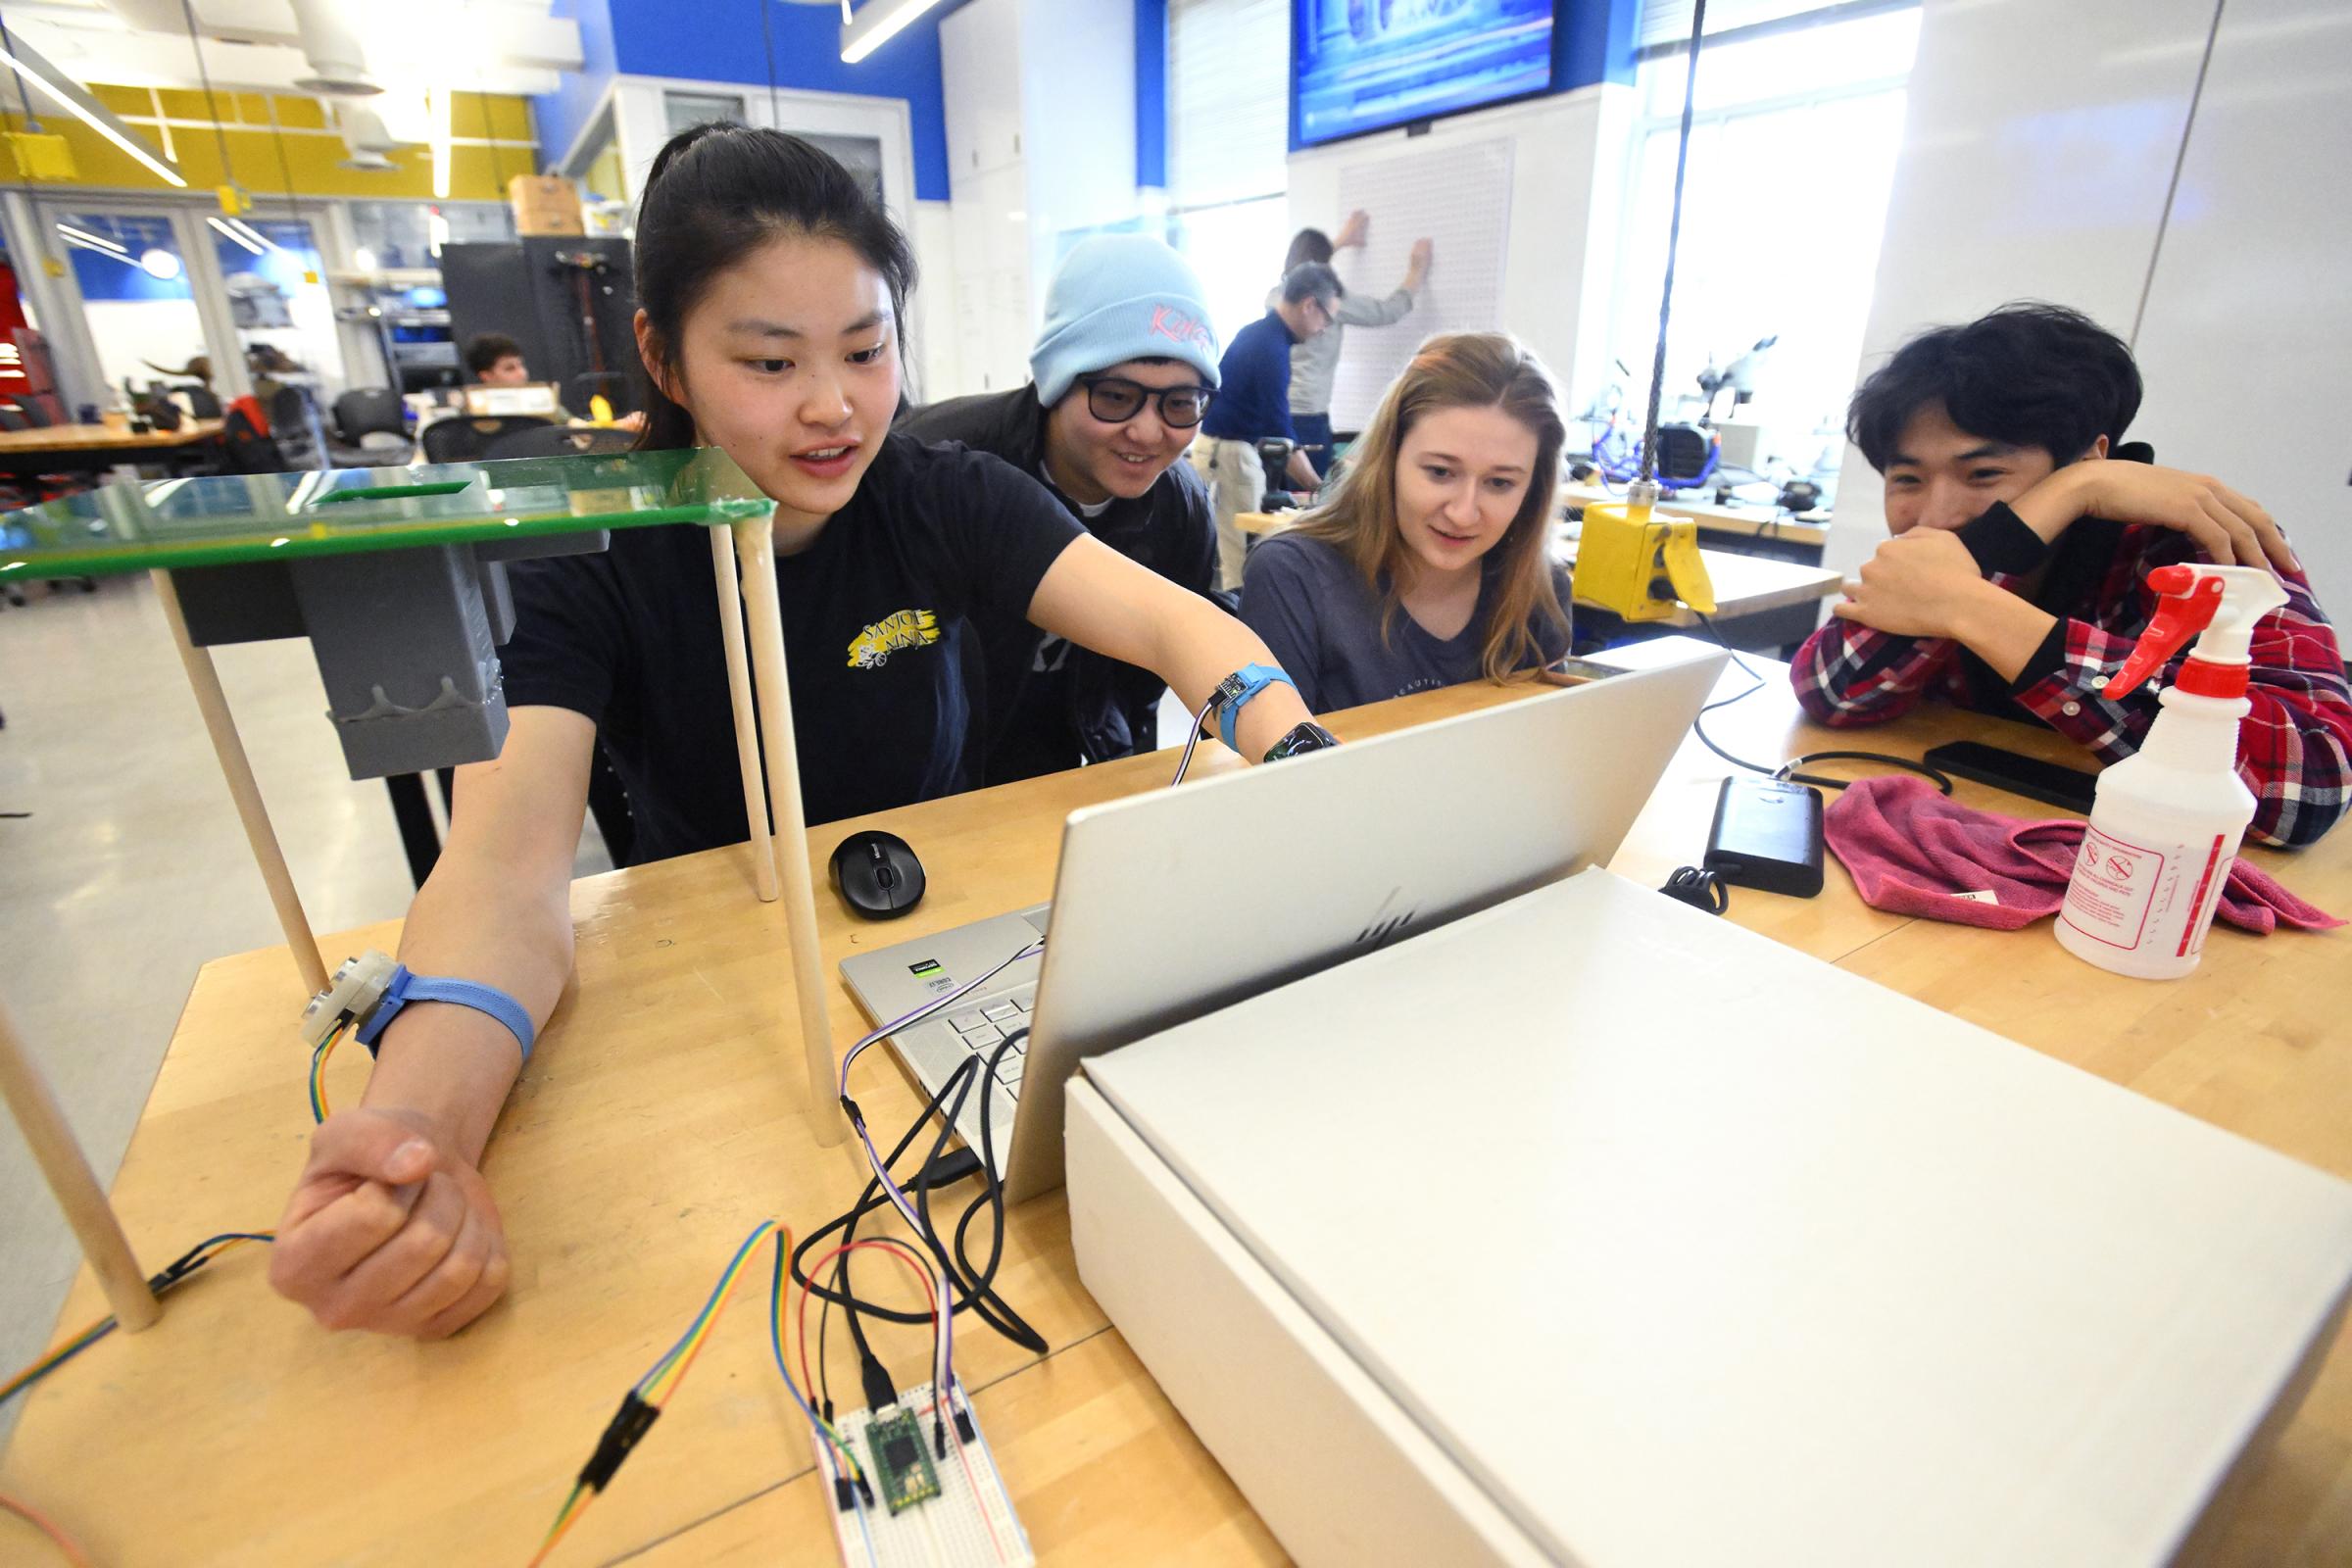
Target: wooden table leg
x=747 y=731
x=754 y=543
x=204 y=681
x=72 y=1183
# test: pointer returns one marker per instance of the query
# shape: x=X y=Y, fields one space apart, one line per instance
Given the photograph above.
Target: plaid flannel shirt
x=2294 y=749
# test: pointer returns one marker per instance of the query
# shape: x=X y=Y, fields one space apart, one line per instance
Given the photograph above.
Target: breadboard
x=970 y=1523
x=1459 y=199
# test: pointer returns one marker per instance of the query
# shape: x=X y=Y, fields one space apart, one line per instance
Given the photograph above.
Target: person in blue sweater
x=1253 y=405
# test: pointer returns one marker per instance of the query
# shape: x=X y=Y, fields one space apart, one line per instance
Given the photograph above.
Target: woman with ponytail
x=771 y=294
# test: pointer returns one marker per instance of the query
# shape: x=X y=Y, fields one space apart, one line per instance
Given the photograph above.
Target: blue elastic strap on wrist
x=1254 y=678
x=406 y=987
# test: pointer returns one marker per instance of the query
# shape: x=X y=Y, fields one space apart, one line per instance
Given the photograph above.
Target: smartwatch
x=1307 y=737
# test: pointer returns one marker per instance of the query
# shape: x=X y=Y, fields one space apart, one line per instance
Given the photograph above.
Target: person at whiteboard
x=1253 y=405
x=1315 y=362
x=1430 y=564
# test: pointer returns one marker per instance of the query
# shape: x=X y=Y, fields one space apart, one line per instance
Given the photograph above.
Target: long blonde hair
x=1458 y=370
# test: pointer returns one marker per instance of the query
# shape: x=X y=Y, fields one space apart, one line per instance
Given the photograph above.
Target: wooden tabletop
x=661 y=1118
x=106 y=438
x=1745 y=585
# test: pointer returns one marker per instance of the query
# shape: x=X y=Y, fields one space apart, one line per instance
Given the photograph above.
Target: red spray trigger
x=2186 y=608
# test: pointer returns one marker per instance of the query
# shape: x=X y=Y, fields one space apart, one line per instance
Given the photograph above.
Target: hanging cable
x=33 y=120
x=1674 y=235
x=767 y=41
x=229 y=174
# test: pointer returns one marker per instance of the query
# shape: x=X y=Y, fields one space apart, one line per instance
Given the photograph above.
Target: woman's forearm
x=496 y=911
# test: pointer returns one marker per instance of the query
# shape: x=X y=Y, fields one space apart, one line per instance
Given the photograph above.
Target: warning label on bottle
x=2113 y=889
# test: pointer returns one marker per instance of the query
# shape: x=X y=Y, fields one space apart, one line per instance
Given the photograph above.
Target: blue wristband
x=1240 y=686
x=406 y=987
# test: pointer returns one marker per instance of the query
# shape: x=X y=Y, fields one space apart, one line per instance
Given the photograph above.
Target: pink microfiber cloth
x=1914 y=851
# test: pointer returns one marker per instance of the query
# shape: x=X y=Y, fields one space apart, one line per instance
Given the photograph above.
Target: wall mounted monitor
x=1360 y=65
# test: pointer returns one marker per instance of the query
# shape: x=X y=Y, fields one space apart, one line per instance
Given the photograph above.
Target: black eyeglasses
x=1114 y=400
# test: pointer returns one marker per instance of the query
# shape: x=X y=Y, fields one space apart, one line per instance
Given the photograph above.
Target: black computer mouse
x=877 y=875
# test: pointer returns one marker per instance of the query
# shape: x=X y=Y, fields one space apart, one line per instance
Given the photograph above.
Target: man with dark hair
x=1253 y=405
x=496 y=360
x=1123 y=372
x=2015 y=581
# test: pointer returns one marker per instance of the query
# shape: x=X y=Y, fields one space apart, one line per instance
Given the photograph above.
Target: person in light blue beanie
x=1124 y=370
x=1121 y=297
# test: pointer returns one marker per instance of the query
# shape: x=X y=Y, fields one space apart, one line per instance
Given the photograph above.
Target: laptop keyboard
x=983 y=1026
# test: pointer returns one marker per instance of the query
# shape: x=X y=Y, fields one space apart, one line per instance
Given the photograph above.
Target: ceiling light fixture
x=880 y=21
x=100 y=250
x=93 y=241
x=234 y=234
x=96 y=123
x=255 y=236
x=441 y=147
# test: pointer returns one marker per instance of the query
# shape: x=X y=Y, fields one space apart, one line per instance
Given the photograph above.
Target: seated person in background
x=2015 y=581
x=1253 y=405
x=1124 y=370
x=496 y=360
x=1315 y=362
x=1431 y=565
x=771 y=289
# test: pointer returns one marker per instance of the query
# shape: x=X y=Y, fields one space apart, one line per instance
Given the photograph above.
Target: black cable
x=1788 y=771
x=1700 y=887
x=228 y=175
x=971 y=1287
x=767 y=41
x=1674 y=235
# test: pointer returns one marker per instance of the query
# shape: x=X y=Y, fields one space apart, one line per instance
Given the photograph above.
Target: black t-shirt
x=1050 y=704
x=876 y=614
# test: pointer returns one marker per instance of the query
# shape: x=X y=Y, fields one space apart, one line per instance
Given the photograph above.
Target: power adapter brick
x=1767 y=835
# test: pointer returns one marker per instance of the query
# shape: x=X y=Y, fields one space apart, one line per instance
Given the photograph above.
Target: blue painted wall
x=559 y=116
x=1592 y=41
x=722 y=42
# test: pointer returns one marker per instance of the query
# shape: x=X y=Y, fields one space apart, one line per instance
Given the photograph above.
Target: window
x=687 y=110
x=1793 y=150
x=1228 y=145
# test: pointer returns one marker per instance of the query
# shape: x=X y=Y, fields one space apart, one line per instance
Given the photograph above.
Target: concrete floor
x=132 y=871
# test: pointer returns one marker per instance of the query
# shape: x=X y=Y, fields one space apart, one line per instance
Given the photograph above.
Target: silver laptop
x=1171 y=905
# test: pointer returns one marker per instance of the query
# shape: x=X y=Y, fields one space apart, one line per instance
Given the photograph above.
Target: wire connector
x=352 y=993
x=627 y=1427
x=881 y=1394
x=844 y=1495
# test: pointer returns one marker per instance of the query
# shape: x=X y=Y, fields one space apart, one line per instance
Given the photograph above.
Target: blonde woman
x=1431 y=565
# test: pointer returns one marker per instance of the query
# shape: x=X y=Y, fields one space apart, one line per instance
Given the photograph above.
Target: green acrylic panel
x=218 y=520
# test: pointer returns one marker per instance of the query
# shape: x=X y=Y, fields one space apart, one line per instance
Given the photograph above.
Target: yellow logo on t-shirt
x=909 y=628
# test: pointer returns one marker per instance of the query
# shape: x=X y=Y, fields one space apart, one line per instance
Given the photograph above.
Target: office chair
x=294 y=424
x=557 y=441
x=363 y=413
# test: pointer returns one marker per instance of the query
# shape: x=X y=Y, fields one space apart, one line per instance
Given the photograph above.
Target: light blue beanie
x=1120 y=296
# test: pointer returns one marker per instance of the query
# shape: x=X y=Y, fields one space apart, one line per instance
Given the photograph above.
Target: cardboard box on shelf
x=545 y=204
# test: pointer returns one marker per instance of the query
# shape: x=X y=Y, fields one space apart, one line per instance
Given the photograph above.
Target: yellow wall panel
x=476 y=173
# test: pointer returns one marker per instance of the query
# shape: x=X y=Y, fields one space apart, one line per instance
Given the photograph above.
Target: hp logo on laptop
x=1384 y=925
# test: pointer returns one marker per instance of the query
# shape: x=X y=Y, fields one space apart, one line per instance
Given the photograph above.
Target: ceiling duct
x=332 y=46
x=367 y=145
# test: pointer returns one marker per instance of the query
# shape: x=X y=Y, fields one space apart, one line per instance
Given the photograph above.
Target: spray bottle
x=2164 y=824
